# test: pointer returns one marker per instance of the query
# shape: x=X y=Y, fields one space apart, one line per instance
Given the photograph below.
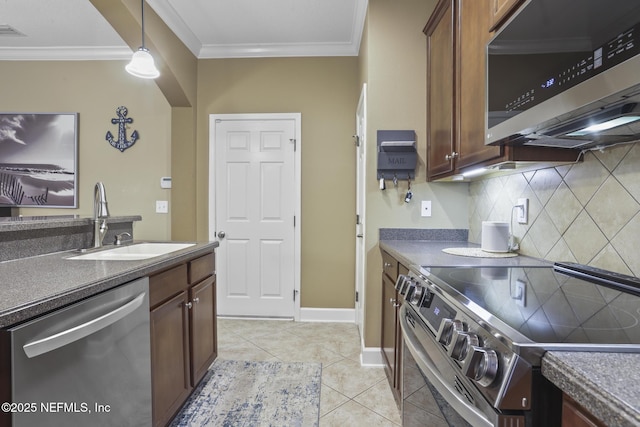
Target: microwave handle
x=60 y=339
x=469 y=413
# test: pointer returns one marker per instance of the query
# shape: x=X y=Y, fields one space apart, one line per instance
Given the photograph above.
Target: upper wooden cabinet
x=457 y=34
x=500 y=10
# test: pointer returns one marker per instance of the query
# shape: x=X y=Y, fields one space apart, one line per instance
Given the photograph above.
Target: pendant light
x=142 y=64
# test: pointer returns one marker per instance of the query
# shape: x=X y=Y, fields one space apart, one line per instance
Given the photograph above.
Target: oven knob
x=417 y=295
x=409 y=288
x=461 y=342
x=481 y=365
x=401 y=283
x=445 y=332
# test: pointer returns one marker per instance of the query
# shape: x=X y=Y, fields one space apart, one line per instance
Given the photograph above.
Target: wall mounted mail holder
x=397 y=156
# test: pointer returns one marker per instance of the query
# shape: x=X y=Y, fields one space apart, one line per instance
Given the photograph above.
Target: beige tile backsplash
x=588 y=212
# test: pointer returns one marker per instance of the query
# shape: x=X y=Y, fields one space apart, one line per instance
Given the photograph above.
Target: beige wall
x=588 y=212
x=94 y=89
x=395 y=62
x=325 y=91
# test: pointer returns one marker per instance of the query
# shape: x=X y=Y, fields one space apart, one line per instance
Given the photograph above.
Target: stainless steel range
x=474 y=337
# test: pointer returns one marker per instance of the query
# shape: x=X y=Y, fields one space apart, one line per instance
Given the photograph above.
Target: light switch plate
x=425 y=208
x=162 y=206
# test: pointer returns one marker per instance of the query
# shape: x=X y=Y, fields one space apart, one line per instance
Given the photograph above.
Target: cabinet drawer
x=201 y=267
x=166 y=284
x=390 y=266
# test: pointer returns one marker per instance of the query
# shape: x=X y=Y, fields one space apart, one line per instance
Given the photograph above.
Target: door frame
x=361 y=179
x=297 y=117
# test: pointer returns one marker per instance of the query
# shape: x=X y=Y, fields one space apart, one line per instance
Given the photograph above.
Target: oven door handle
x=472 y=415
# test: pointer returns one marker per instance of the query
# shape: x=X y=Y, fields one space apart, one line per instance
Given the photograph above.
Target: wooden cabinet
x=457 y=34
x=456 y=38
x=391 y=336
x=500 y=10
x=183 y=332
x=574 y=415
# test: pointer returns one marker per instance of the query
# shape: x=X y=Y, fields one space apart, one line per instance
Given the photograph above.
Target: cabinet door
x=203 y=328
x=389 y=321
x=389 y=266
x=440 y=80
x=473 y=35
x=169 y=358
x=574 y=415
x=499 y=10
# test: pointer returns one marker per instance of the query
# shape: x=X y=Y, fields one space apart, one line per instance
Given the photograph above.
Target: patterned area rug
x=237 y=393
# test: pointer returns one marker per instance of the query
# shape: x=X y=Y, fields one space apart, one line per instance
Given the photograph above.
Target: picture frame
x=39 y=160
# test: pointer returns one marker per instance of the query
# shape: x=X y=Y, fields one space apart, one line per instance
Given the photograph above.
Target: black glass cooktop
x=549 y=306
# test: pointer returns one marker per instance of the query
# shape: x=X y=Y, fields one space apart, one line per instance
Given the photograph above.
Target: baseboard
x=371 y=356
x=346 y=315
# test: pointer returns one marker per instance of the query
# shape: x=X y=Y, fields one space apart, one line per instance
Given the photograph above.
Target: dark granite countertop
x=429 y=253
x=36 y=285
x=607 y=384
x=24 y=223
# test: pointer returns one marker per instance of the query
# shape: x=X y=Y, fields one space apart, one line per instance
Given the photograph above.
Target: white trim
x=371 y=356
x=277 y=50
x=297 y=117
x=89 y=53
x=346 y=315
x=361 y=192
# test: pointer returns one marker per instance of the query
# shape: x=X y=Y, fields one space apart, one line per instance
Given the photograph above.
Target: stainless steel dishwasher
x=87 y=364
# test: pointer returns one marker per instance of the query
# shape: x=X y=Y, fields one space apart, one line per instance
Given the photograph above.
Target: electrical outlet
x=522 y=210
x=426 y=208
x=520 y=295
x=162 y=206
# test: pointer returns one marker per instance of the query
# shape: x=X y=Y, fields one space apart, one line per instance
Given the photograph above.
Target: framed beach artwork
x=39 y=160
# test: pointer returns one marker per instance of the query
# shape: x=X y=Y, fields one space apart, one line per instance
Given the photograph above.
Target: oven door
x=433 y=391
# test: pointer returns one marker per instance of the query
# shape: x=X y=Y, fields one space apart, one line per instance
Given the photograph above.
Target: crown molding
x=91 y=53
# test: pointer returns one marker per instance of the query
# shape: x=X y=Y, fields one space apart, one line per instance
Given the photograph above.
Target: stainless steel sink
x=133 y=252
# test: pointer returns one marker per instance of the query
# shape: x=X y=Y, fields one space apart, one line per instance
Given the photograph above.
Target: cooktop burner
x=546 y=305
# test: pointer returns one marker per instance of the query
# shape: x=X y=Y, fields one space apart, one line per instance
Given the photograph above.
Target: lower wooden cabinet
x=574 y=415
x=391 y=335
x=183 y=332
x=170 y=365
x=204 y=348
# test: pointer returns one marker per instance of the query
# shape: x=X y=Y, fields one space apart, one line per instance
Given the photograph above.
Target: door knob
x=221 y=234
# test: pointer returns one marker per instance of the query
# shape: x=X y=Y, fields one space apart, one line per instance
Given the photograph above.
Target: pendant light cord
x=142 y=8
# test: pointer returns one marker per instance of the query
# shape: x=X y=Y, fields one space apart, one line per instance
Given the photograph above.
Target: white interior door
x=256 y=200
x=361 y=161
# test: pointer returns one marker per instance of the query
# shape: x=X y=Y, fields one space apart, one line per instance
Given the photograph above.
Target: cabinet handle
x=451 y=156
x=188 y=305
x=393 y=302
x=387 y=265
x=196 y=300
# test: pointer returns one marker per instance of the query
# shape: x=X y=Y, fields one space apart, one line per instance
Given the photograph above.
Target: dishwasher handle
x=60 y=339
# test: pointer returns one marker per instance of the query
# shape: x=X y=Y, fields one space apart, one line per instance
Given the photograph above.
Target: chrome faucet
x=100 y=212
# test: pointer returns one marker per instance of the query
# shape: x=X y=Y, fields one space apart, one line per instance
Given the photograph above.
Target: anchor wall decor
x=122 y=143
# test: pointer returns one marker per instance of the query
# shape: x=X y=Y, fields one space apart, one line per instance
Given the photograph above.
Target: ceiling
x=75 y=30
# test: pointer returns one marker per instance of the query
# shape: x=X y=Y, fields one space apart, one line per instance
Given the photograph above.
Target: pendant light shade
x=142 y=64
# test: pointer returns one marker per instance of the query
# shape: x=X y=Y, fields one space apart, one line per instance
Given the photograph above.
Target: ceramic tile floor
x=351 y=395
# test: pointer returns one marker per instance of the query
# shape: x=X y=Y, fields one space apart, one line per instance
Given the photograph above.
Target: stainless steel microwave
x=565 y=73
